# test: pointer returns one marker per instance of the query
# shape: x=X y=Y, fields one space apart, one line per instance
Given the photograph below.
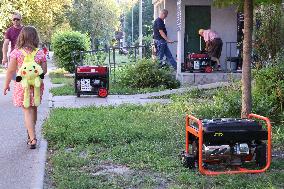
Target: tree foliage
x=44 y=15
x=148 y=11
x=240 y=3
x=268 y=22
x=99 y=19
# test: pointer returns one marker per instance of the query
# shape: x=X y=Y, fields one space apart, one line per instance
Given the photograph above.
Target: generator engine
x=226 y=154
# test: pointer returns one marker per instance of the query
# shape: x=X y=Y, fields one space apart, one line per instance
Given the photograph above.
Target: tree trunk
x=247 y=51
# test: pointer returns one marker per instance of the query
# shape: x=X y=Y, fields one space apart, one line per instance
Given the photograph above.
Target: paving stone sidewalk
x=115 y=100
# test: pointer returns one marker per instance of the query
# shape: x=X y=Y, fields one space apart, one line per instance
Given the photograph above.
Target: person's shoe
x=32 y=146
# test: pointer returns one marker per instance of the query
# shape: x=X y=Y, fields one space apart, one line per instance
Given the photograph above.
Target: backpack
x=30 y=75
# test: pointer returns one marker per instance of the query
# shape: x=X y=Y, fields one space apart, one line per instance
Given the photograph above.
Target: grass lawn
x=192 y=94
x=133 y=147
x=68 y=88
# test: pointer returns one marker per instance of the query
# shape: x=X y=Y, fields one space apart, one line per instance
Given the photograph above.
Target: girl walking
x=27 y=43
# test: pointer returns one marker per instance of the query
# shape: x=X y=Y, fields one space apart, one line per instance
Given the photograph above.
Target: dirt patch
x=128 y=178
x=111 y=169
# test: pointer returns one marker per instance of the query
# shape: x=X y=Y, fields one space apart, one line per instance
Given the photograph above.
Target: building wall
x=227 y=31
x=223 y=21
x=171 y=24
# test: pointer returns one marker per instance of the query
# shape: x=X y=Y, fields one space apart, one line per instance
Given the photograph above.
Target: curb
x=40 y=171
x=50 y=101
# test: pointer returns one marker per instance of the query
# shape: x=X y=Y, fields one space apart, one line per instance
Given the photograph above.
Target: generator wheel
x=187 y=160
x=260 y=154
x=103 y=92
x=78 y=95
x=208 y=69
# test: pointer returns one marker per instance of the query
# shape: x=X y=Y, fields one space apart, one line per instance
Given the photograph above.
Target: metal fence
x=114 y=57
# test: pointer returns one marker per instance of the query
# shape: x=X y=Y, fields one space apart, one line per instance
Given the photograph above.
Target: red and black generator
x=199 y=62
x=91 y=79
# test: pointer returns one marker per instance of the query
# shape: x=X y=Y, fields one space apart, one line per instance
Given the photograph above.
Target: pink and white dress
x=18 y=96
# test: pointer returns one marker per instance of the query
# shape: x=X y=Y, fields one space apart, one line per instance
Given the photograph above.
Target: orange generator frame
x=198 y=133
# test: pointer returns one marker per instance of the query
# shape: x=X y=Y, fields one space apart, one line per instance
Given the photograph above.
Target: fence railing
x=114 y=57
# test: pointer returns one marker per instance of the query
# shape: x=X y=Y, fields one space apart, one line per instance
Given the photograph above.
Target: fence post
x=113 y=50
x=109 y=60
x=135 y=54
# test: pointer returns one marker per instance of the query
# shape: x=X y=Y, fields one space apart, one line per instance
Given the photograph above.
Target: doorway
x=196 y=17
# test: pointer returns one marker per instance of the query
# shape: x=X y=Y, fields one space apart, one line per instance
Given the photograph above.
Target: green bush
x=268 y=91
x=101 y=57
x=211 y=103
x=59 y=72
x=64 y=43
x=146 y=74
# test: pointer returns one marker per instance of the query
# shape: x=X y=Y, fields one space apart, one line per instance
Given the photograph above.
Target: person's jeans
x=163 y=50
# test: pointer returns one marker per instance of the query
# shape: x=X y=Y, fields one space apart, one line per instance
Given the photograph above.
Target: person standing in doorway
x=11 y=36
x=161 y=39
x=214 y=45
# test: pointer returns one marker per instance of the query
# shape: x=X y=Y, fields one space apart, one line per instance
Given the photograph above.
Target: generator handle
x=269 y=137
x=188 y=129
x=196 y=120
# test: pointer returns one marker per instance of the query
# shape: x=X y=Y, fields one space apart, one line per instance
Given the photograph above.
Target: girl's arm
x=12 y=67
x=44 y=67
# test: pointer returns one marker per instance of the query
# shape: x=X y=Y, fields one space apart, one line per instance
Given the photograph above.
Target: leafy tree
x=44 y=16
x=248 y=7
x=148 y=11
x=268 y=22
x=97 y=18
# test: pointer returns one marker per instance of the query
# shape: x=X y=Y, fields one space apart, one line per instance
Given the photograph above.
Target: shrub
x=268 y=91
x=226 y=102
x=64 y=43
x=59 y=72
x=146 y=74
x=100 y=57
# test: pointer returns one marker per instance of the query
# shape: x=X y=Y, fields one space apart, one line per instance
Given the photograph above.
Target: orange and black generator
x=227 y=146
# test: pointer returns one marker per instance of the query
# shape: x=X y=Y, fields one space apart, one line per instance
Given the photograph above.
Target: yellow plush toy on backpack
x=30 y=75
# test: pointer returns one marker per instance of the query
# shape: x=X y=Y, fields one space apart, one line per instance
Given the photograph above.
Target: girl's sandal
x=32 y=146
